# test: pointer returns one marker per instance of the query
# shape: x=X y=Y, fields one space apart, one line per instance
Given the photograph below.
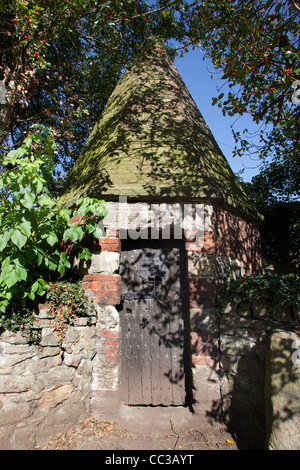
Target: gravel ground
x=94 y=434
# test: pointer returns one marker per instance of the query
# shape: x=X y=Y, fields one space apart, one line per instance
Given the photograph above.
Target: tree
x=254 y=46
x=60 y=61
x=280 y=232
x=34 y=225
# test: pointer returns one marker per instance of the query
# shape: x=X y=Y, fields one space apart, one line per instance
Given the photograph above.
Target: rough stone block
x=204 y=320
x=24 y=437
x=206 y=380
x=106 y=262
x=51 y=398
x=59 y=375
x=48 y=338
x=283 y=388
x=13 y=338
x=63 y=416
x=108 y=317
x=201 y=264
x=16 y=384
x=12 y=412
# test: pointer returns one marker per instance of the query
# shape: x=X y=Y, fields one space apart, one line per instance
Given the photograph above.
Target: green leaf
x=73 y=233
x=9 y=275
x=40 y=256
x=97 y=233
x=20 y=260
x=21 y=272
x=25 y=228
x=19 y=239
x=4 y=238
x=28 y=200
x=39 y=287
x=52 y=238
x=51 y=263
x=63 y=263
x=30 y=253
x=85 y=254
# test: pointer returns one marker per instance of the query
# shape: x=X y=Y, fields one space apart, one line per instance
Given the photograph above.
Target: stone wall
x=283 y=391
x=230 y=247
x=45 y=389
x=245 y=347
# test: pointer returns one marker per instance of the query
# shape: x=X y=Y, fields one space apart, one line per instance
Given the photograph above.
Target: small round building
x=178 y=225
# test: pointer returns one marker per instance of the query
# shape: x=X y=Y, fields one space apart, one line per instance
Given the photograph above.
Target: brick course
x=105 y=288
x=238 y=238
x=204 y=348
x=109 y=346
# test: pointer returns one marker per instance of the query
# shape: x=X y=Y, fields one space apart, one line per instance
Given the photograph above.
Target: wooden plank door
x=152 y=327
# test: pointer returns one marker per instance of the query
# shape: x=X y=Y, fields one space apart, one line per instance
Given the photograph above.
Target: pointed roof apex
x=152 y=48
x=154 y=45
x=153 y=144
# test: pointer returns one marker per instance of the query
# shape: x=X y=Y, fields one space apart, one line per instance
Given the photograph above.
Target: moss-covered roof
x=151 y=143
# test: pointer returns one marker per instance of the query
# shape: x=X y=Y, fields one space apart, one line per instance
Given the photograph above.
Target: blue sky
x=196 y=74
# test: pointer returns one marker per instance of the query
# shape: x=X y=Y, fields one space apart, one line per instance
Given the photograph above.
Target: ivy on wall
x=278 y=292
x=38 y=239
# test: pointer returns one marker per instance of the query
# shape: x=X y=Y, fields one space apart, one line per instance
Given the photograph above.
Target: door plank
x=146 y=353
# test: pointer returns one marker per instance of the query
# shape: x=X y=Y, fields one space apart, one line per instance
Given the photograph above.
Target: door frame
x=130 y=244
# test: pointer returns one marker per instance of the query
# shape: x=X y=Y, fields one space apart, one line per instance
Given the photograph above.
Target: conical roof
x=152 y=143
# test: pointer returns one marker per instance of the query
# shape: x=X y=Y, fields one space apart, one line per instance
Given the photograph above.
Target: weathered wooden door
x=152 y=327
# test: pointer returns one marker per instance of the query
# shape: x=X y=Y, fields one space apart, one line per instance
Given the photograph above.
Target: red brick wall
x=105 y=288
x=108 y=346
x=232 y=237
x=109 y=243
x=238 y=238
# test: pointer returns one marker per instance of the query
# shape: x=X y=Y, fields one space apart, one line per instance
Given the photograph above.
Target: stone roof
x=152 y=143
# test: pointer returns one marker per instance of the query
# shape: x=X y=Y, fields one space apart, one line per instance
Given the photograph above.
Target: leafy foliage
x=70 y=295
x=34 y=227
x=278 y=291
x=254 y=45
x=280 y=233
x=66 y=301
x=60 y=61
